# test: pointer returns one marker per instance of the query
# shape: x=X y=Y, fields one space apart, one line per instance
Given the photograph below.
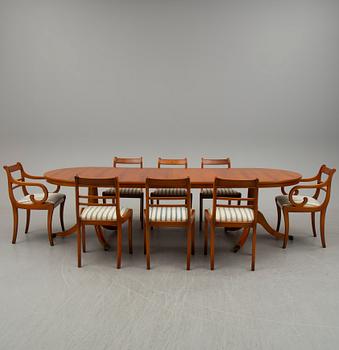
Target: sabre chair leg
x=189 y=247
x=62 y=206
x=79 y=245
x=287 y=224
x=212 y=246
x=130 y=242
x=83 y=236
x=119 y=245
x=201 y=210
x=205 y=235
x=254 y=240
x=322 y=227
x=142 y=211
x=313 y=224
x=193 y=237
x=148 y=256
x=15 y=224
x=28 y=218
x=49 y=226
x=278 y=216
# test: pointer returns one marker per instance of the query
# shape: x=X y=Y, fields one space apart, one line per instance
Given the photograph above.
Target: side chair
x=226 y=214
x=207 y=193
x=177 y=214
x=129 y=192
x=43 y=200
x=171 y=192
x=91 y=210
x=294 y=202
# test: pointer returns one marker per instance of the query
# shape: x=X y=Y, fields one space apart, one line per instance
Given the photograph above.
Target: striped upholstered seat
x=239 y=215
x=124 y=192
x=97 y=213
x=223 y=192
x=53 y=198
x=169 y=192
x=157 y=214
x=284 y=201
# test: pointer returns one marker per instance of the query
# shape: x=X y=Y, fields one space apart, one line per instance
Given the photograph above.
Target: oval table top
x=136 y=177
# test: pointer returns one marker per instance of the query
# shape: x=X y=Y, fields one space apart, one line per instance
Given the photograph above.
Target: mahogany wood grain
x=135 y=177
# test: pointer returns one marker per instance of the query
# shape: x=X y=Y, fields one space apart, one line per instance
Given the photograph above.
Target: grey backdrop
x=81 y=81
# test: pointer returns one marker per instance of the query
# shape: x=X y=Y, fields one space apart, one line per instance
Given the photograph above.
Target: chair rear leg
x=148 y=256
x=142 y=211
x=49 y=226
x=278 y=216
x=79 y=244
x=205 y=235
x=83 y=237
x=189 y=246
x=313 y=225
x=130 y=242
x=28 y=219
x=201 y=210
x=322 y=227
x=286 y=220
x=15 y=224
x=62 y=206
x=212 y=246
x=193 y=237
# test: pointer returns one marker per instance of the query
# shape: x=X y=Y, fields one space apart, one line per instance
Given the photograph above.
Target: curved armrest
x=35 y=177
x=295 y=191
x=34 y=184
x=309 y=179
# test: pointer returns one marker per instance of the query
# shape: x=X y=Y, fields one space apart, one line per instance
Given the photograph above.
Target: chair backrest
x=251 y=201
x=11 y=179
x=324 y=177
x=213 y=162
x=88 y=199
x=171 y=162
x=183 y=201
x=128 y=161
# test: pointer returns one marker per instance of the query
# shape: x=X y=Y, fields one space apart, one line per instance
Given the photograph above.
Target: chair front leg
x=142 y=211
x=201 y=210
x=79 y=244
x=119 y=245
x=254 y=240
x=189 y=247
x=49 y=226
x=212 y=246
x=147 y=237
x=205 y=234
x=193 y=237
x=83 y=236
x=322 y=227
x=130 y=241
x=286 y=220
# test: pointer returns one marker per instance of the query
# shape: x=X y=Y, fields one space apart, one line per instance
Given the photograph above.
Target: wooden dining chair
x=171 y=192
x=294 y=202
x=91 y=210
x=207 y=193
x=130 y=192
x=43 y=200
x=226 y=214
x=179 y=214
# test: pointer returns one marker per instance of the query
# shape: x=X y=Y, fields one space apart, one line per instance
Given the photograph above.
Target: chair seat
x=169 y=192
x=101 y=213
x=168 y=214
x=54 y=198
x=236 y=215
x=222 y=192
x=284 y=201
x=124 y=191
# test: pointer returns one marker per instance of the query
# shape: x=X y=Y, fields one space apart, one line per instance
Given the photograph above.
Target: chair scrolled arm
x=295 y=190
x=34 y=184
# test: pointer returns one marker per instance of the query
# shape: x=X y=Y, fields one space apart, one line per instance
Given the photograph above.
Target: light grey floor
x=290 y=302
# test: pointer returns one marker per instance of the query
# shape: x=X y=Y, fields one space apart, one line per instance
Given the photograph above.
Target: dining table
x=199 y=177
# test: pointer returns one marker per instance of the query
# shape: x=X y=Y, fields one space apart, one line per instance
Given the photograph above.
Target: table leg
x=263 y=222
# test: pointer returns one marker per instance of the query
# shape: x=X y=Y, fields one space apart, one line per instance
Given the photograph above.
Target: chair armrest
x=38 y=177
x=295 y=190
x=33 y=184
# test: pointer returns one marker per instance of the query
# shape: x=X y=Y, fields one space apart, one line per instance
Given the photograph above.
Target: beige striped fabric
x=168 y=214
x=101 y=213
x=169 y=192
x=225 y=214
x=54 y=198
x=126 y=191
x=284 y=201
x=223 y=192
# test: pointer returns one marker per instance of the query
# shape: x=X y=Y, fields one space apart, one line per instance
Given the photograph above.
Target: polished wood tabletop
x=136 y=177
